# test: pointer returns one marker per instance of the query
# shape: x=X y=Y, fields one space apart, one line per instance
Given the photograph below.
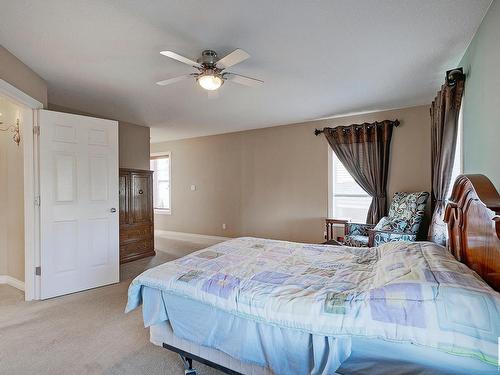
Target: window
x=347 y=199
x=161 y=183
x=457 y=162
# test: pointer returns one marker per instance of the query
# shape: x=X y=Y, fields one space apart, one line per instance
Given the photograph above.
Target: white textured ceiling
x=317 y=58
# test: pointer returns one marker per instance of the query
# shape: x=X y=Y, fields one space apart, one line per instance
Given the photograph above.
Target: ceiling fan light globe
x=210 y=82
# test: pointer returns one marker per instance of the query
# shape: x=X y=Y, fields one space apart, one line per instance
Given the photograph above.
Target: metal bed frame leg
x=188 y=358
x=188 y=364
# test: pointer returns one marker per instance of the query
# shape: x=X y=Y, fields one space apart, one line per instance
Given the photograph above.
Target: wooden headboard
x=473 y=217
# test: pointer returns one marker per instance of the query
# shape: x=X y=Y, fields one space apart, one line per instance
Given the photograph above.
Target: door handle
x=113 y=210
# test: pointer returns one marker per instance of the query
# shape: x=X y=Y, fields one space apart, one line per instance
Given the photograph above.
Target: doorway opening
x=17 y=227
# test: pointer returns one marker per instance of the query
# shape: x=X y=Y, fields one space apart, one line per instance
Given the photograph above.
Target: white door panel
x=78 y=189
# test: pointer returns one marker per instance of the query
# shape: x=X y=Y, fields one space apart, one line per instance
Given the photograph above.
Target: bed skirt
x=370 y=357
x=162 y=333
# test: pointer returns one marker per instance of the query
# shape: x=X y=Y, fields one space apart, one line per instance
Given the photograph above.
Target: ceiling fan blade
x=235 y=57
x=243 y=80
x=174 y=80
x=180 y=58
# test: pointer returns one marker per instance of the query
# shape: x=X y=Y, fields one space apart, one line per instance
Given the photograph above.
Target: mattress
x=305 y=308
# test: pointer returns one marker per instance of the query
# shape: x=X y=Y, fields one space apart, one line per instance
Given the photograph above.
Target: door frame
x=30 y=183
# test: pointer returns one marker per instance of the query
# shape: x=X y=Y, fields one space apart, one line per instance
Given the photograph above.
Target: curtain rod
x=395 y=123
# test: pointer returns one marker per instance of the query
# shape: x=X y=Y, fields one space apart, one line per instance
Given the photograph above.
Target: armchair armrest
x=378 y=237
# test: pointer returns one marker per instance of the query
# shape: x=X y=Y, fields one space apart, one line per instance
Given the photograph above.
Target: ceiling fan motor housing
x=208 y=58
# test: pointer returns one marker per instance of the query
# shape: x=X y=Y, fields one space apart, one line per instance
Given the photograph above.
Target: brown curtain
x=444 y=127
x=364 y=152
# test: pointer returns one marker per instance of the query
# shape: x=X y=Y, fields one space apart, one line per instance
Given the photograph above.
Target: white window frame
x=164 y=211
x=460 y=149
x=330 y=182
x=461 y=137
x=331 y=187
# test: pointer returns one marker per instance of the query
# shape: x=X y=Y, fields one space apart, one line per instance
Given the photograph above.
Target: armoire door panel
x=140 y=199
x=124 y=198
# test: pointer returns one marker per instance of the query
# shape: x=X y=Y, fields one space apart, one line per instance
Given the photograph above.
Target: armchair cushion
x=378 y=237
x=356 y=240
x=392 y=224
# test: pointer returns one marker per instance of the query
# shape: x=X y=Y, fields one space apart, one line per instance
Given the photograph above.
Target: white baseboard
x=191 y=237
x=9 y=280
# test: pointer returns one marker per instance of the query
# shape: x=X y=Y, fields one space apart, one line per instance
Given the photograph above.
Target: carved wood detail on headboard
x=473 y=217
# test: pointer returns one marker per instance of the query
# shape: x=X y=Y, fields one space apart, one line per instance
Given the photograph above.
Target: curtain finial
x=454 y=75
x=318 y=131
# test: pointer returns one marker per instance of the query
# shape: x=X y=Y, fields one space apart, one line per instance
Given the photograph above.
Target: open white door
x=79 y=228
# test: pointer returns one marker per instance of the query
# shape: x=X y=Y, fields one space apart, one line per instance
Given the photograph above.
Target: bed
x=259 y=306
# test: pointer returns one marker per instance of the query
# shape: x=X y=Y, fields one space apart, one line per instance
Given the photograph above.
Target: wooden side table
x=329 y=229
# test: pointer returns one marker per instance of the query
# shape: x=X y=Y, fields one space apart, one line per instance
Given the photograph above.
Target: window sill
x=162 y=211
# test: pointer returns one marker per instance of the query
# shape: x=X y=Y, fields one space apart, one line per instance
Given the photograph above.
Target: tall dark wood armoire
x=136 y=214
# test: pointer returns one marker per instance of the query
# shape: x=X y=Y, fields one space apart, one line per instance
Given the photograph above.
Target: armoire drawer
x=135 y=232
x=136 y=250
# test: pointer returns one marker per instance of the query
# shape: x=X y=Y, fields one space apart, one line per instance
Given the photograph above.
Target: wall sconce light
x=15 y=129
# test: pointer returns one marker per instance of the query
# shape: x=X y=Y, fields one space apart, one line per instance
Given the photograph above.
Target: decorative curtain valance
x=444 y=114
x=364 y=151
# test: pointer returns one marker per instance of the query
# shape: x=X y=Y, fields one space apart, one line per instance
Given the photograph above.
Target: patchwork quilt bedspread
x=401 y=292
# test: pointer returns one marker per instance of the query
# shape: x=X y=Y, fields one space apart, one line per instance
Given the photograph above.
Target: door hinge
x=38 y=271
x=36 y=130
x=37 y=200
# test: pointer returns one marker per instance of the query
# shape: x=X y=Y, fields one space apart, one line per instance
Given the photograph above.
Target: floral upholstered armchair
x=402 y=224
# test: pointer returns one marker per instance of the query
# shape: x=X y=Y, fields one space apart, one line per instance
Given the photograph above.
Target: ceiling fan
x=211 y=71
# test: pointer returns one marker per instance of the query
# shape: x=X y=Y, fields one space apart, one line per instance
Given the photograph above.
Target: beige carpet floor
x=86 y=332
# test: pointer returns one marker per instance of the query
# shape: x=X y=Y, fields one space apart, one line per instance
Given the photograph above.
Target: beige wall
x=133 y=145
x=15 y=72
x=273 y=182
x=11 y=197
x=133 y=140
x=213 y=165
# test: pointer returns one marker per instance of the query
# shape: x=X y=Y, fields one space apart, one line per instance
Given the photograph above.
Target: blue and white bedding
x=399 y=292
